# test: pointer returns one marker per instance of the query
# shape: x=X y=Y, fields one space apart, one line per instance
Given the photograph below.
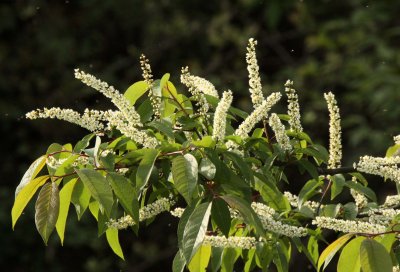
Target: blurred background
x=348 y=47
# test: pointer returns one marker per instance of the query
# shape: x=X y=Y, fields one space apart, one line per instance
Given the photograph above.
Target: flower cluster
x=197 y=91
x=257 y=96
x=293 y=107
x=294 y=201
x=396 y=268
x=348 y=226
x=116 y=119
x=232 y=241
x=280 y=134
x=128 y=111
x=54 y=163
x=360 y=199
x=382 y=216
x=391 y=201
x=257 y=115
x=90 y=119
x=335 y=132
x=147 y=212
x=155 y=98
x=220 y=116
x=397 y=139
x=385 y=167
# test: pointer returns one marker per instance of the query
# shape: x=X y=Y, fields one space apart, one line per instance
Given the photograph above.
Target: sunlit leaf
x=374 y=257
x=65 y=201
x=113 y=242
x=31 y=173
x=185 y=174
x=329 y=252
x=24 y=196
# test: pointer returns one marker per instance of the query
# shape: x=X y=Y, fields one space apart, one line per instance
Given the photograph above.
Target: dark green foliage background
x=350 y=47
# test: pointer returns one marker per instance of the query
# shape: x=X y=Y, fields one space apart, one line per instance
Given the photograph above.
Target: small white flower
x=155 y=98
x=348 y=226
x=391 y=200
x=294 y=201
x=147 y=212
x=189 y=81
x=280 y=134
x=90 y=120
x=397 y=139
x=293 y=107
x=257 y=96
x=335 y=132
x=384 y=167
x=219 y=124
x=232 y=241
x=257 y=115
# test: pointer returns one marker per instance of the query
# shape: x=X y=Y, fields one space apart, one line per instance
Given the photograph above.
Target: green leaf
x=113 y=241
x=185 y=175
x=125 y=193
x=243 y=167
x=361 y=189
x=338 y=182
x=135 y=91
x=248 y=214
x=82 y=144
x=309 y=167
x=229 y=258
x=31 y=173
x=98 y=187
x=206 y=141
x=349 y=260
x=280 y=258
x=80 y=198
x=374 y=257
x=195 y=230
x=350 y=211
x=65 y=201
x=272 y=195
x=216 y=258
x=309 y=190
x=221 y=216
x=47 y=209
x=164 y=127
x=145 y=167
x=145 y=111
x=183 y=222
x=24 y=196
x=207 y=169
x=200 y=260
x=329 y=252
x=179 y=262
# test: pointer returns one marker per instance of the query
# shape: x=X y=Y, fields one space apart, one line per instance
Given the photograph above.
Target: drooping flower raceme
x=128 y=111
x=232 y=241
x=293 y=107
x=384 y=167
x=147 y=212
x=155 y=98
x=257 y=115
x=90 y=120
x=257 y=96
x=280 y=134
x=219 y=124
x=348 y=226
x=335 y=132
x=294 y=201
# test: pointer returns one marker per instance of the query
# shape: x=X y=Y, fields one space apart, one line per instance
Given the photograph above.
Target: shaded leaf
x=98 y=187
x=125 y=193
x=145 y=167
x=248 y=214
x=374 y=257
x=221 y=215
x=47 y=209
